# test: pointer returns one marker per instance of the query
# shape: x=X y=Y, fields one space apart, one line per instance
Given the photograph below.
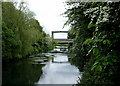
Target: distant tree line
x=22 y=35
x=95 y=26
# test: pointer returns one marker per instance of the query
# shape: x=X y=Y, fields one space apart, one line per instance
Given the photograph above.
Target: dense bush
x=96 y=30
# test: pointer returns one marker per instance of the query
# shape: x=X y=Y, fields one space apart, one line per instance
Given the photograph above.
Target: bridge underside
x=64 y=41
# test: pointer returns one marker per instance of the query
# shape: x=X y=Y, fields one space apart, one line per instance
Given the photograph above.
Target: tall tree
x=96 y=49
x=22 y=33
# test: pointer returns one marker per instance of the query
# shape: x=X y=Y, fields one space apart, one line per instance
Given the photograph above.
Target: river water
x=56 y=70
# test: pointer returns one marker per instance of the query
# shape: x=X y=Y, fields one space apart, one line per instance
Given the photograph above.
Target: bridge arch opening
x=62 y=41
x=53 y=32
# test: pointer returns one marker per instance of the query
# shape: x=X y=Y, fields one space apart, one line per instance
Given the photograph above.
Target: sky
x=48 y=13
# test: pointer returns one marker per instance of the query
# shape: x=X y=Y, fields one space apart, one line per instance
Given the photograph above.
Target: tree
x=21 y=31
x=96 y=49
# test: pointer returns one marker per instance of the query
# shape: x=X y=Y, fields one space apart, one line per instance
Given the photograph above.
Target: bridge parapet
x=64 y=41
x=58 y=32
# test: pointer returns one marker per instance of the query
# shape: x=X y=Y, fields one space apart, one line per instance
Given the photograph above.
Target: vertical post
x=0 y=43
x=52 y=34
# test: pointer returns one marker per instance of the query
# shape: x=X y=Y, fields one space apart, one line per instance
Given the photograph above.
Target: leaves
x=96 y=27
x=92 y=26
x=106 y=42
x=21 y=31
x=114 y=60
x=88 y=41
x=96 y=52
x=96 y=67
x=99 y=68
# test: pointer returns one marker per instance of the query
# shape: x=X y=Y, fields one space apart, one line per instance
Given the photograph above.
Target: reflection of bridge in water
x=62 y=41
x=60 y=61
x=61 y=48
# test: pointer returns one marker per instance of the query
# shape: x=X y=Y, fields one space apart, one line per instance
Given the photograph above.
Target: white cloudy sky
x=48 y=14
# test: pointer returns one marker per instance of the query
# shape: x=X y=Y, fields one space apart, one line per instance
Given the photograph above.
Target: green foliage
x=91 y=26
x=95 y=27
x=61 y=44
x=88 y=41
x=10 y=46
x=22 y=33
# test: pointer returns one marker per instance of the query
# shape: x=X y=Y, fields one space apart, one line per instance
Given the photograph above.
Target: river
x=45 y=68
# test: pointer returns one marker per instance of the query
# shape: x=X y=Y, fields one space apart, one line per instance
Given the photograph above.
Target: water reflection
x=60 y=48
x=32 y=70
x=59 y=73
x=21 y=72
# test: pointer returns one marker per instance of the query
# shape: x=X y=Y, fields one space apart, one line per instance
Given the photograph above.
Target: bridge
x=62 y=41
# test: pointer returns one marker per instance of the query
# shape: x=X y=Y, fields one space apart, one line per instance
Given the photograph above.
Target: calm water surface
x=56 y=71
x=59 y=71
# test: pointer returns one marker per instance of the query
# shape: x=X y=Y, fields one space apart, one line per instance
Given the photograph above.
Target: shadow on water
x=21 y=72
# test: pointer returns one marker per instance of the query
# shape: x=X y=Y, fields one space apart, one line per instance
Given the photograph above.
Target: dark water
x=21 y=72
x=57 y=70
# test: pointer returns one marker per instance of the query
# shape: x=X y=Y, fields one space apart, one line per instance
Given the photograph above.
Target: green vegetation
x=57 y=44
x=96 y=30
x=22 y=35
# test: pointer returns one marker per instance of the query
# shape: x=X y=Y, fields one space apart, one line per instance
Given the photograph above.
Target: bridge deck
x=64 y=41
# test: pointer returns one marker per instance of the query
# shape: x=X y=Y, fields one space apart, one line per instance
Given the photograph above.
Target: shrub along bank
x=95 y=27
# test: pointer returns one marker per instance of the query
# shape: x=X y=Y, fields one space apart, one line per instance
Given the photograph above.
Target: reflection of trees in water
x=21 y=72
